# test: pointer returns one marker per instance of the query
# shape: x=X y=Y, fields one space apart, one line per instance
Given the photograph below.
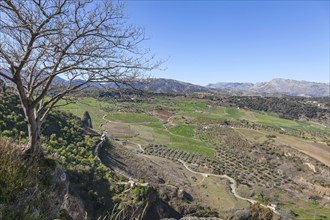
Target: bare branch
x=6 y=77
x=87 y=41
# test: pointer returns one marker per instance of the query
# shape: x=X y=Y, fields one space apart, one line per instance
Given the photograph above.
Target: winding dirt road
x=232 y=186
x=205 y=175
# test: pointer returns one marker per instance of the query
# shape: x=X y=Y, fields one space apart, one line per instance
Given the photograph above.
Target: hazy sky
x=236 y=41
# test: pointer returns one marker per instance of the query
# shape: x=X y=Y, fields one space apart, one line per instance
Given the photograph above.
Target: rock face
x=58 y=198
x=73 y=207
x=86 y=120
x=48 y=197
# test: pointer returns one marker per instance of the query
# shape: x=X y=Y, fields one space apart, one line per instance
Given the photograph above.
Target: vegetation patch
x=190 y=106
x=184 y=130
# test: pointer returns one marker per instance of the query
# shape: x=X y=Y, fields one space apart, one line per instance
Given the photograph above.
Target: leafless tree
x=84 y=41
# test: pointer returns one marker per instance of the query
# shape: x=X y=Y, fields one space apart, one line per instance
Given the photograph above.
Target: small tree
x=84 y=41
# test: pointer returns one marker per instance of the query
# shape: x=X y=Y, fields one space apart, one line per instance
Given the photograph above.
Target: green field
x=91 y=105
x=190 y=106
x=182 y=135
x=184 y=130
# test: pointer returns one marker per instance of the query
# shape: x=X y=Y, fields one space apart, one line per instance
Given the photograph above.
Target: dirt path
x=205 y=175
x=140 y=147
x=232 y=186
x=232 y=181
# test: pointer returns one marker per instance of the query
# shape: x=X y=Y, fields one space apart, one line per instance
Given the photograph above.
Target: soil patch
x=119 y=130
x=161 y=114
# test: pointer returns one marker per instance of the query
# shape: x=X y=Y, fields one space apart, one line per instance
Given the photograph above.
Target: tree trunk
x=33 y=148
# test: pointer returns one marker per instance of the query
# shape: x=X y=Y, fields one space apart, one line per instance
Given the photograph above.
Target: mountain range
x=278 y=86
x=286 y=87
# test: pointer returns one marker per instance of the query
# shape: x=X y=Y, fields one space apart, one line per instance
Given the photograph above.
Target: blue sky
x=236 y=41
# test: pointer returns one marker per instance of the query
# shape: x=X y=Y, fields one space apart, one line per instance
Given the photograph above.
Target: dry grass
x=317 y=150
x=16 y=175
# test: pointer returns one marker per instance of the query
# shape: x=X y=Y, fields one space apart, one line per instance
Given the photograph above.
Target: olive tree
x=83 y=41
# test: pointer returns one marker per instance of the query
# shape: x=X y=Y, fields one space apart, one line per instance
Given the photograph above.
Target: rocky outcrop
x=58 y=199
x=87 y=124
x=46 y=196
x=73 y=206
x=2 y=86
x=87 y=120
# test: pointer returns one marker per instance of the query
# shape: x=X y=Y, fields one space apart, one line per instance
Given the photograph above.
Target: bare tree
x=83 y=40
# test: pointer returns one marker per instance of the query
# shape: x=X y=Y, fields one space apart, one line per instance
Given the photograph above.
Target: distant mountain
x=171 y=86
x=232 y=86
x=151 y=85
x=159 y=85
x=279 y=86
x=274 y=87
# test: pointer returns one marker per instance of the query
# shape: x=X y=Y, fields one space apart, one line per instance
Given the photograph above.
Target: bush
x=271 y=136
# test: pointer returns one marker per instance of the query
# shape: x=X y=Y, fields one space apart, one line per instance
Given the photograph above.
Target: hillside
x=193 y=143
x=72 y=182
x=172 y=156
x=279 y=86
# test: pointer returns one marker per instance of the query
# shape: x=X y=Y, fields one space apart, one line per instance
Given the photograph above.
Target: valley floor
x=187 y=145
